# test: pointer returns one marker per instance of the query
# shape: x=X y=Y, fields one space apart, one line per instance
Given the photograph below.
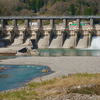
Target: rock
x=28 y=52
x=44 y=71
x=19 y=54
x=28 y=49
x=23 y=50
x=34 y=52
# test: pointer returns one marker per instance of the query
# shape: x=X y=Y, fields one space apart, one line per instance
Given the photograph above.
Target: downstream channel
x=17 y=75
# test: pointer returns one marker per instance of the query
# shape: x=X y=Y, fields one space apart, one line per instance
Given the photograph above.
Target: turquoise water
x=69 y=52
x=7 y=57
x=19 y=74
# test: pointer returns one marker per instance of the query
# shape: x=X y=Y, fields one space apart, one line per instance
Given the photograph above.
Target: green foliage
x=93 y=11
x=63 y=0
x=87 y=11
x=20 y=22
x=90 y=10
x=87 y=75
x=87 y=4
x=35 y=85
x=20 y=95
x=49 y=7
x=79 y=11
x=35 y=4
x=79 y=1
x=72 y=9
x=18 y=9
x=64 y=76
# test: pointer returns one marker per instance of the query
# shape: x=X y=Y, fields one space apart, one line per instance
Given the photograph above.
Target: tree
x=92 y=10
x=87 y=12
x=33 y=5
x=63 y=0
x=72 y=9
x=37 y=4
x=79 y=11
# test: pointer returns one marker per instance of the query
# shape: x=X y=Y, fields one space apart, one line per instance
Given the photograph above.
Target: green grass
x=20 y=22
x=22 y=95
x=36 y=85
x=87 y=75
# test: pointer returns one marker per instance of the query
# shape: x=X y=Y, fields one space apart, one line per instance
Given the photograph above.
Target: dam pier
x=48 y=36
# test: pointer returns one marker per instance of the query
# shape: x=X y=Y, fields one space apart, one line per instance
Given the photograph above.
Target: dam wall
x=47 y=36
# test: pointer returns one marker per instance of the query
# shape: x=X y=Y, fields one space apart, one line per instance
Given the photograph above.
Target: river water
x=69 y=52
x=19 y=74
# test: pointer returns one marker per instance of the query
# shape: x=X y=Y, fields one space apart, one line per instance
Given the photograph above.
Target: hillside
x=49 y=7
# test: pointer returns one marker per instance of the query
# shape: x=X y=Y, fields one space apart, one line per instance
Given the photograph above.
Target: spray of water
x=95 y=43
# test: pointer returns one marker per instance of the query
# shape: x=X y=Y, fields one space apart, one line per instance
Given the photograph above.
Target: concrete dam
x=48 y=36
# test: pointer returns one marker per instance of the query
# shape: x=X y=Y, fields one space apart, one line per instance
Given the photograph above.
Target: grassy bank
x=78 y=83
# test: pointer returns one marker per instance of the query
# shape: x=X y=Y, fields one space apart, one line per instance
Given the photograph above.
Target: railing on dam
x=49 y=17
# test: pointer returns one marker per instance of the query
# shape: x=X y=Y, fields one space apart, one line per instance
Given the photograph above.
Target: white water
x=95 y=42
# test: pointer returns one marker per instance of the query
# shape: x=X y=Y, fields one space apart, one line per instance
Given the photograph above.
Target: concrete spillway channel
x=5 y=41
x=17 y=40
x=43 y=41
x=83 y=40
x=69 y=42
x=56 y=41
x=27 y=41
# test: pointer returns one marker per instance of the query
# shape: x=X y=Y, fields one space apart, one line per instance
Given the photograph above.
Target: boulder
x=45 y=71
x=28 y=51
x=35 y=52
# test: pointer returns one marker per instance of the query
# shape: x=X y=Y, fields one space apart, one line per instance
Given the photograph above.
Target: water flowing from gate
x=95 y=43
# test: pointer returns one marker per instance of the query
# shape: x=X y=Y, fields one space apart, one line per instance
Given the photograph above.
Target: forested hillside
x=49 y=7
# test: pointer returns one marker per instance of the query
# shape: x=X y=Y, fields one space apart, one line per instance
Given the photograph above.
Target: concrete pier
x=48 y=36
x=52 y=24
x=14 y=23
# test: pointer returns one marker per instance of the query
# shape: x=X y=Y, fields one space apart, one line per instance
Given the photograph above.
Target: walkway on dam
x=49 y=17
